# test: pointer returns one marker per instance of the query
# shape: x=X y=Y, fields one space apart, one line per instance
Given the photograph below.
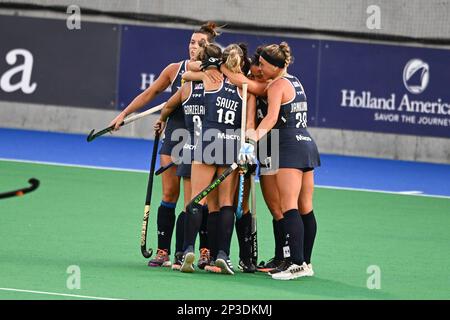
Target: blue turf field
x=126 y=153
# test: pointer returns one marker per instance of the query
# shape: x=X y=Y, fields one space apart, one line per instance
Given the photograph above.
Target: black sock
x=294 y=234
x=309 y=222
x=166 y=223
x=204 y=229
x=212 y=224
x=243 y=231
x=179 y=232
x=278 y=230
x=225 y=230
x=192 y=225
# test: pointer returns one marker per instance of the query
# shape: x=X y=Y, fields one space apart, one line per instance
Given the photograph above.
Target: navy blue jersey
x=297 y=148
x=293 y=114
x=176 y=118
x=261 y=109
x=264 y=147
x=223 y=107
x=177 y=114
x=194 y=108
x=222 y=123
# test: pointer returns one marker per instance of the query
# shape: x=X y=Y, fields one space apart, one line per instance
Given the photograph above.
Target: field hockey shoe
x=282 y=265
x=211 y=267
x=161 y=260
x=246 y=265
x=311 y=271
x=293 y=271
x=178 y=261
x=204 y=259
x=224 y=263
x=188 y=260
x=270 y=265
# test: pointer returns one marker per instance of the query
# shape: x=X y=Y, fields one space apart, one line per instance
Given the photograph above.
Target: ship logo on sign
x=416 y=75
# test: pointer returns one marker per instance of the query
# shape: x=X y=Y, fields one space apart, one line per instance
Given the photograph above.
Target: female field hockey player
x=190 y=99
x=267 y=180
x=220 y=145
x=297 y=157
x=170 y=76
x=244 y=224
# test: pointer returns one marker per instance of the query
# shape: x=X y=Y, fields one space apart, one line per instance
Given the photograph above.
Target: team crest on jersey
x=230 y=90
x=198 y=86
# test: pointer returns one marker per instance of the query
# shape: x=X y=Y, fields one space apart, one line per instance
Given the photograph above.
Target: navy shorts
x=184 y=168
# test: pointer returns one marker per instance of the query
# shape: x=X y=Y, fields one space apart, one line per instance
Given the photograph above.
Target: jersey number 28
x=302 y=118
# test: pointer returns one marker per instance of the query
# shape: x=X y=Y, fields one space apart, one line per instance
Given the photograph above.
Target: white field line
x=73 y=165
x=57 y=294
x=405 y=193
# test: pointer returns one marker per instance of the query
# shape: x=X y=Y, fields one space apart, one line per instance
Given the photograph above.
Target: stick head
x=145 y=253
x=34 y=182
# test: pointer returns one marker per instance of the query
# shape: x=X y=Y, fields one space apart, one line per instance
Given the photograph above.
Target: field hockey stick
x=126 y=121
x=254 y=235
x=20 y=192
x=213 y=185
x=240 y=194
x=148 y=253
x=242 y=166
x=164 y=168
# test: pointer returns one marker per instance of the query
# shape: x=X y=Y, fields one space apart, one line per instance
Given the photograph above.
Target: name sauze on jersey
x=222 y=102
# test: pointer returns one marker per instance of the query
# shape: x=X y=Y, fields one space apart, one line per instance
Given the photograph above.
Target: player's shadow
x=303 y=288
x=312 y=287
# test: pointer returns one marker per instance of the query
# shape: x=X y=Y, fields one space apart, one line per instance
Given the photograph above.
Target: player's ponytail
x=233 y=57
x=286 y=50
x=246 y=61
x=213 y=50
x=209 y=29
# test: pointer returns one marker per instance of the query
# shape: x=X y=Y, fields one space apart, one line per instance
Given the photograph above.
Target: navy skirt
x=168 y=143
